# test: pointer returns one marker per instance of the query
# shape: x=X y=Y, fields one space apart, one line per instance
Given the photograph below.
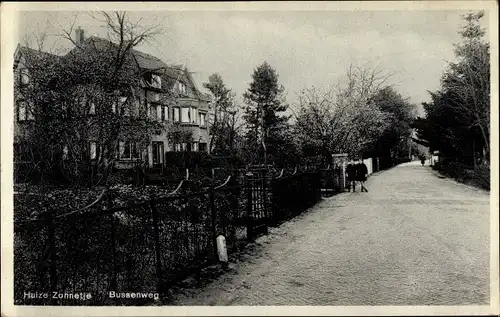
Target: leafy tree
x=457 y=119
x=264 y=114
x=224 y=127
x=400 y=114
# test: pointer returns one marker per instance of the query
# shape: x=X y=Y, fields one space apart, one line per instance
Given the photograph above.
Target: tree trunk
x=486 y=142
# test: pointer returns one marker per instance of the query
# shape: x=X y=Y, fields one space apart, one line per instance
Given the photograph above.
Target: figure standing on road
x=361 y=174
x=350 y=172
x=422 y=159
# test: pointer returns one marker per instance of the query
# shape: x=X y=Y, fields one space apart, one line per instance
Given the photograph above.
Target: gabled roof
x=23 y=50
x=144 y=61
x=170 y=73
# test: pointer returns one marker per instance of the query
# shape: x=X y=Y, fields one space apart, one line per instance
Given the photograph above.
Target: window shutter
x=165 y=113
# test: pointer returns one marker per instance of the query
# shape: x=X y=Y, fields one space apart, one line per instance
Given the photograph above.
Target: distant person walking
x=350 y=175
x=361 y=174
x=422 y=159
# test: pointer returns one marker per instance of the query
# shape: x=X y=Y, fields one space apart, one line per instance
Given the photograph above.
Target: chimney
x=79 y=36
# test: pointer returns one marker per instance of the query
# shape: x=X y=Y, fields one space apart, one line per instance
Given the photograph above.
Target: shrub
x=437 y=166
x=482 y=176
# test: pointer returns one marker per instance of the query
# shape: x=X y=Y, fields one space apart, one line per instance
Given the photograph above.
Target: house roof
x=170 y=73
x=24 y=50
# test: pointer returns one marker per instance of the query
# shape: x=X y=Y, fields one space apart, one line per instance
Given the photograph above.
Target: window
x=128 y=150
x=177 y=147
x=202 y=119
x=114 y=105
x=24 y=77
x=195 y=147
x=165 y=113
x=185 y=115
x=158 y=112
x=184 y=146
x=156 y=81
x=152 y=111
x=65 y=152
x=156 y=97
x=182 y=88
x=202 y=147
x=24 y=111
x=93 y=150
x=153 y=80
x=193 y=115
x=157 y=149
x=177 y=114
x=124 y=108
x=92 y=108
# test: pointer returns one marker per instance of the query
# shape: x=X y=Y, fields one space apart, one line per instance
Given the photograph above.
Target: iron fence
x=151 y=245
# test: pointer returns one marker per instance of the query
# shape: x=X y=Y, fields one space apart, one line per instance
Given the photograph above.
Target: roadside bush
x=482 y=176
x=437 y=166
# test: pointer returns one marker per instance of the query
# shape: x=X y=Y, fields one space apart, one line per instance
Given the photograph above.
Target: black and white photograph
x=250 y=154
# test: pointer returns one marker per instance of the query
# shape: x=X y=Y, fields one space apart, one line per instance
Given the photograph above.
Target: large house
x=159 y=81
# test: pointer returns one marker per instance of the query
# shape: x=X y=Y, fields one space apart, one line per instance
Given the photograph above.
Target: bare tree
x=92 y=93
x=342 y=119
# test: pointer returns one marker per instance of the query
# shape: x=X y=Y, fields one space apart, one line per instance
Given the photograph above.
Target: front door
x=158 y=154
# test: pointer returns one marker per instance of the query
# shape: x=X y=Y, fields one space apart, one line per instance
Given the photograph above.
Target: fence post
x=213 y=211
x=156 y=233
x=51 y=248
x=266 y=205
x=249 y=189
x=109 y=205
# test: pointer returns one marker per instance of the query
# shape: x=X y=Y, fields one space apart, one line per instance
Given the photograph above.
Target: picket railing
x=151 y=245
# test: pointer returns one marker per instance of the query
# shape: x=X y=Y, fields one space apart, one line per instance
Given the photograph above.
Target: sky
x=307 y=48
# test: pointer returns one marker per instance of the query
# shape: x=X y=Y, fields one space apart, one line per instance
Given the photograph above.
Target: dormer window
x=182 y=88
x=153 y=80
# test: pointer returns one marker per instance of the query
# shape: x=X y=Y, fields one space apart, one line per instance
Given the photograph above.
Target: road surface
x=413 y=239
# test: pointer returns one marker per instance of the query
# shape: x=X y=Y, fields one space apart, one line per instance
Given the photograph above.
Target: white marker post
x=221 y=249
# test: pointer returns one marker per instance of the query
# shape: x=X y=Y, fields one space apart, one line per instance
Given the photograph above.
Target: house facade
x=167 y=94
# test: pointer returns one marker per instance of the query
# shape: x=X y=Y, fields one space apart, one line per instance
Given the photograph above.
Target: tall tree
x=468 y=80
x=393 y=142
x=459 y=112
x=223 y=128
x=264 y=113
